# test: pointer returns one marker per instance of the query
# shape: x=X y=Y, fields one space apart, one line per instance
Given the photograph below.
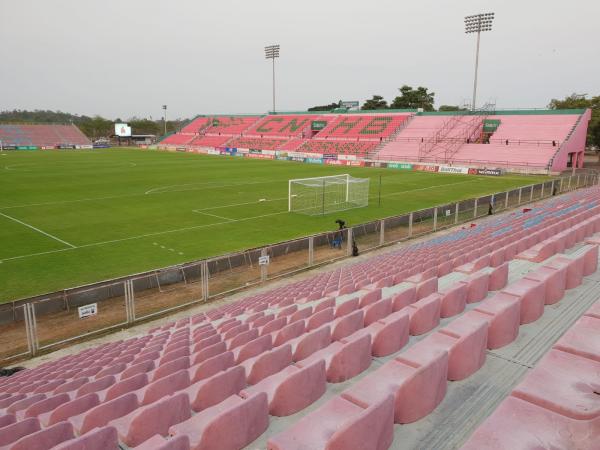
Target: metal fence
x=44 y=323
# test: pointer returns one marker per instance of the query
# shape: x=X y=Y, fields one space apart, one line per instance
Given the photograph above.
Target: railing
x=51 y=321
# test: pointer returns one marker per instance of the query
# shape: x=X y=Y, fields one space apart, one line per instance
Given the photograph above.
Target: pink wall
x=575 y=144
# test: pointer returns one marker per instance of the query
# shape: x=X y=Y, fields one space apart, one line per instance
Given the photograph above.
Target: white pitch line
x=214 y=215
x=38 y=230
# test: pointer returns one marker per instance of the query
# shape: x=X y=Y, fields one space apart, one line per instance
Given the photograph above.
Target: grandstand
x=355 y=357
x=42 y=136
x=531 y=140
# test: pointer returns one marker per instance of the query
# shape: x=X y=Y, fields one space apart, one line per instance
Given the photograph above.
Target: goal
x=323 y=195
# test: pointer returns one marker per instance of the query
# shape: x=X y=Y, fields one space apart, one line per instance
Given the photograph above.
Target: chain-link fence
x=51 y=321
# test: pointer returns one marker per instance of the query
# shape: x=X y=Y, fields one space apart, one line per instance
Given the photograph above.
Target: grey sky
x=128 y=57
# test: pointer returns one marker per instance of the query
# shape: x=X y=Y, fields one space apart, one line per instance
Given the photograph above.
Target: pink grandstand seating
x=257 y=143
x=338 y=147
x=42 y=135
x=209 y=141
x=196 y=126
x=367 y=126
x=214 y=379
x=282 y=126
x=229 y=125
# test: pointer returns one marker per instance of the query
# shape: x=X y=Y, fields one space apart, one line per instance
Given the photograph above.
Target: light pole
x=165 y=118
x=272 y=52
x=477 y=24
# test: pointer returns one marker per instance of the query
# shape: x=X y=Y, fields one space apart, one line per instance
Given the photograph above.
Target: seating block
x=555 y=280
x=503 y=313
x=424 y=315
x=582 y=339
x=453 y=300
x=498 y=277
x=532 y=296
x=477 y=286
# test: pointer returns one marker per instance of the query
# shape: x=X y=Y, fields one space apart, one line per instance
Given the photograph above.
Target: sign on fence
x=491 y=172
x=263 y=260
x=88 y=310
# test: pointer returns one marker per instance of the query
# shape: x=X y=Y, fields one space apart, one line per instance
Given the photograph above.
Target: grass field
x=73 y=217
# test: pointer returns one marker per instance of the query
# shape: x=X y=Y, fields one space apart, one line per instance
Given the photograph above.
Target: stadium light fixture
x=272 y=52
x=165 y=118
x=478 y=23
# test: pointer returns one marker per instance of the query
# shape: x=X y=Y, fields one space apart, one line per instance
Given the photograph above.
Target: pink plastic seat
x=232 y=424
x=253 y=348
x=574 y=269
x=135 y=369
x=267 y=364
x=555 y=280
x=211 y=366
x=210 y=391
x=163 y=387
x=465 y=340
x=157 y=442
x=453 y=300
x=7 y=419
x=498 y=277
x=203 y=343
x=320 y=318
x=521 y=425
x=301 y=314
x=404 y=298
x=348 y=324
x=532 y=296
x=143 y=423
x=170 y=368
x=100 y=415
x=590 y=260
x=287 y=311
x=46 y=438
x=369 y=298
x=263 y=320
x=417 y=379
x=20 y=406
x=564 y=383
x=477 y=286
x=15 y=431
x=424 y=315
x=69 y=409
x=426 y=288
x=503 y=313
x=208 y=352
x=582 y=339
x=346 y=307
x=344 y=359
x=273 y=325
x=377 y=310
x=341 y=424
x=289 y=332
x=242 y=338
x=389 y=334
x=98 y=439
x=46 y=405
x=306 y=344
x=292 y=389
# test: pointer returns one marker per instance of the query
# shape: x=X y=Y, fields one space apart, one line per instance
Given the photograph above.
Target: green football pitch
x=74 y=217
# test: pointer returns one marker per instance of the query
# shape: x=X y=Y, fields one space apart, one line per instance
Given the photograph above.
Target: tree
x=578 y=101
x=377 y=102
x=329 y=107
x=410 y=98
x=451 y=108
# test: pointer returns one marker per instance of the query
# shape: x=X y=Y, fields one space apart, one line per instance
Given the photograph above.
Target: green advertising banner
x=400 y=166
x=318 y=125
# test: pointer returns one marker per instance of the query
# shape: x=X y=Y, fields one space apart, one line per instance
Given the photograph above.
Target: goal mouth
x=328 y=194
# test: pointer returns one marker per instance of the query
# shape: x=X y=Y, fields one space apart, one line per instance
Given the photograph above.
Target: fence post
x=410 y=223
x=456 y=213
x=542 y=193
x=531 y=194
x=578 y=177
x=569 y=185
x=506 y=200
x=435 y=213
x=31 y=328
x=349 y=243
x=311 y=250
x=475 y=209
x=381 y=232
x=585 y=180
x=264 y=267
x=129 y=300
x=520 y=193
x=204 y=274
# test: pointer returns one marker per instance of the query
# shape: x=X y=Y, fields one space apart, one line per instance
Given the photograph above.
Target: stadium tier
x=533 y=140
x=42 y=136
x=209 y=141
x=248 y=373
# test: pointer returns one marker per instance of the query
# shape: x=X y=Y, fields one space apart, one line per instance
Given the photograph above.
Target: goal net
x=323 y=195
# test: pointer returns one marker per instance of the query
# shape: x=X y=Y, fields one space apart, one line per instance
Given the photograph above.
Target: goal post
x=323 y=195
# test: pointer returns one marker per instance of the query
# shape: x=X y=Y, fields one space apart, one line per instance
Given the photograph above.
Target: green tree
x=451 y=108
x=377 y=102
x=410 y=98
x=329 y=107
x=578 y=101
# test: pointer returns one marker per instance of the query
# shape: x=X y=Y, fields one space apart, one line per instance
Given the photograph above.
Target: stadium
x=361 y=275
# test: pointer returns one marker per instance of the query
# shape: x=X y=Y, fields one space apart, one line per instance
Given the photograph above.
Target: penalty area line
x=213 y=215
x=38 y=230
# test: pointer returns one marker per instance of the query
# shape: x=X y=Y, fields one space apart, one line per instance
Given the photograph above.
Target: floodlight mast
x=477 y=23
x=165 y=117
x=272 y=52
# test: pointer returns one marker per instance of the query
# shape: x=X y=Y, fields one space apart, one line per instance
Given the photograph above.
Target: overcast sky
x=128 y=57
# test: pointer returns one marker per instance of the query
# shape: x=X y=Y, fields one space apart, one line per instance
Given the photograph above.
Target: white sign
x=453 y=169
x=122 y=130
x=447 y=212
x=88 y=310
x=263 y=260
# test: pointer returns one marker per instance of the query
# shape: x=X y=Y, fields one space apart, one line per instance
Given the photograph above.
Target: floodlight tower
x=272 y=52
x=477 y=24
x=165 y=118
